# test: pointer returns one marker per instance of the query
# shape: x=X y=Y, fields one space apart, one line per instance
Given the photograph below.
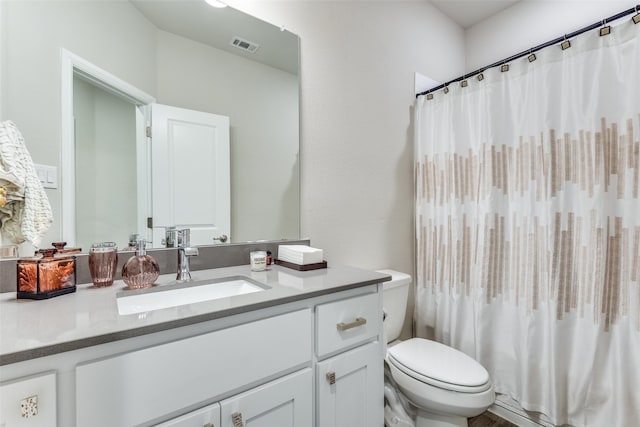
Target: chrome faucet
x=185 y=251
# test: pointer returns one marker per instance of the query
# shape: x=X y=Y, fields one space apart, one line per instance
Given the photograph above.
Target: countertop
x=89 y=316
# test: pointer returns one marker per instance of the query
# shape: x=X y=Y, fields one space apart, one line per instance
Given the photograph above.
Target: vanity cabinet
x=350 y=383
x=137 y=387
x=304 y=362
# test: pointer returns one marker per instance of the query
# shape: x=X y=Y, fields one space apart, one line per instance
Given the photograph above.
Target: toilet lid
x=437 y=361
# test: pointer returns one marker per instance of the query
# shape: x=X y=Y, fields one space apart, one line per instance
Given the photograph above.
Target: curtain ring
x=566 y=44
x=606 y=29
x=531 y=57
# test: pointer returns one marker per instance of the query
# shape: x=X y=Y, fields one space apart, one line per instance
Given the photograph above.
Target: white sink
x=140 y=301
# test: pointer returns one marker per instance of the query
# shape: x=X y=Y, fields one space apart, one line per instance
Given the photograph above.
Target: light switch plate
x=48 y=175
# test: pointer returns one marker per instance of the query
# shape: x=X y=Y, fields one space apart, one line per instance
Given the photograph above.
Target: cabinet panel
x=139 y=386
x=29 y=401
x=285 y=402
x=347 y=322
x=350 y=389
x=205 y=417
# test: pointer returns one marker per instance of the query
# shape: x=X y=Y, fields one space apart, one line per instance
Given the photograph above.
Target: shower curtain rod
x=527 y=52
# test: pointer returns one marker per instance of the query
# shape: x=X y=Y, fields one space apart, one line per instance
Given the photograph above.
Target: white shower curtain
x=528 y=227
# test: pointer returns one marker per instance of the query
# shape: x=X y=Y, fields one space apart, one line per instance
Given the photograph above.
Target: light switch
x=48 y=175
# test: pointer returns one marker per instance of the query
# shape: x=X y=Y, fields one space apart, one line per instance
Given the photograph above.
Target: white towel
x=26 y=213
x=299 y=254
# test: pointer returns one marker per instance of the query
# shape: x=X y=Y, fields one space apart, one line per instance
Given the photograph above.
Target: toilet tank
x=395 y=295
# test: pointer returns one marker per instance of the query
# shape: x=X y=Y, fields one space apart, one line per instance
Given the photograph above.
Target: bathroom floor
x=487 y=419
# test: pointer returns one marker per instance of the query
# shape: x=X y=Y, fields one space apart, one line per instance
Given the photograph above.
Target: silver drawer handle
x=331 y=378
x=236 y=417
x=358 y=322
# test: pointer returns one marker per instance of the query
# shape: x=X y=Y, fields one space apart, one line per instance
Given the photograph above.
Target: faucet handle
x=183 y=237
x=170 y=237
x=188 y=251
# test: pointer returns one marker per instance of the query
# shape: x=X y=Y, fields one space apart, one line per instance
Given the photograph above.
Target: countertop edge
x=49 y=350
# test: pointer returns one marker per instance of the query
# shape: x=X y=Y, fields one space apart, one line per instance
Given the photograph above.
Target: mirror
x=182 y=53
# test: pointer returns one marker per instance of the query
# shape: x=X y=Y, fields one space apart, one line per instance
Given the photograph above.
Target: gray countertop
x=31 y=329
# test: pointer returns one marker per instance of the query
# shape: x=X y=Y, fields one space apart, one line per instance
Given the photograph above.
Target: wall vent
x=245 y=45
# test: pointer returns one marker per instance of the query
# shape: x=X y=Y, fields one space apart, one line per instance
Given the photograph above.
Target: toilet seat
x=438 y=365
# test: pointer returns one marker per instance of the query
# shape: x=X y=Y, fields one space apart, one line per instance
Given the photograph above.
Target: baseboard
x=515 y=415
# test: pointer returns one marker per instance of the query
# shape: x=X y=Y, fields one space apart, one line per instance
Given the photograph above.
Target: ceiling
x=469 y=12
x=215 y=27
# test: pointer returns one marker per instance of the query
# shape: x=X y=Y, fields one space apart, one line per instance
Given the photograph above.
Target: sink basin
x=140 y=301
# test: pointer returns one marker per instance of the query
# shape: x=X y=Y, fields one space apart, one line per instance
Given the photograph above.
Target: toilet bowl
x=444 y=385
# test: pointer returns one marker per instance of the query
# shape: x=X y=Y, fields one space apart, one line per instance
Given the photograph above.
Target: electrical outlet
x=29 y=406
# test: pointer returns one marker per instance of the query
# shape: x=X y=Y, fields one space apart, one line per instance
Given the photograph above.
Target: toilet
x=442 y=385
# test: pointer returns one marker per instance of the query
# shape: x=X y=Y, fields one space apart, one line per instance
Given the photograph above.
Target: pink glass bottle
x=103 y=263
x=141 y=270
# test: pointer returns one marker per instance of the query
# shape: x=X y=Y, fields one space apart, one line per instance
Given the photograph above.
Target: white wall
x=529 y=23
x=358 y=60
x=262 y=105
x=357 y=89
x=116 y=37
x=106 y=202
x=33 y=33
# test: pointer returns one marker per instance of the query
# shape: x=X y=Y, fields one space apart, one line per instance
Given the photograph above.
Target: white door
x=285 y=402
x=204 y=417
x=350 y=389
x=190 y=173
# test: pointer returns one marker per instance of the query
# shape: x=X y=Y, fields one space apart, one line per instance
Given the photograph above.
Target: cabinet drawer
x=140 y=386
x=348 y=322
x=29 y=401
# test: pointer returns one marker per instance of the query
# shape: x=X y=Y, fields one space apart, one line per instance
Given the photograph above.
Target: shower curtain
x=528 y=227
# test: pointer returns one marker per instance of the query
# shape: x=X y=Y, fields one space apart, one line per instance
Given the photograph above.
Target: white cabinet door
x=350 y=389
x=285 y=402
x=208 y=416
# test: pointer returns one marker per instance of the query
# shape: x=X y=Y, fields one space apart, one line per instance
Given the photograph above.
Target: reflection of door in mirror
x=183 y=180
x=106 y=206
x=190 y=173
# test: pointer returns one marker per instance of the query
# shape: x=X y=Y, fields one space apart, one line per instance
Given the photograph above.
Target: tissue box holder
x=302 y=267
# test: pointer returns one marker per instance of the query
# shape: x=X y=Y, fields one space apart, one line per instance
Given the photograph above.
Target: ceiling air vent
x=245 y=45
